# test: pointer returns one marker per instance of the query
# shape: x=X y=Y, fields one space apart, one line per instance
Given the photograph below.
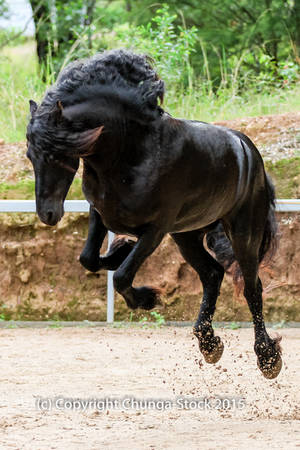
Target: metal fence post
x=110 y=287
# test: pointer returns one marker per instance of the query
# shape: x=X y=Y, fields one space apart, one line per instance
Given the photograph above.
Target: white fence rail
x=11 y=206
x=79 y=206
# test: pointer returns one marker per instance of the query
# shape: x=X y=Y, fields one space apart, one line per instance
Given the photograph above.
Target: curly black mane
x=112 y=72
x=103 y=67
x=112 y=85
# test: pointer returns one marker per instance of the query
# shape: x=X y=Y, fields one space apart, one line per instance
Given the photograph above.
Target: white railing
x=78 y=206
x=11 y=206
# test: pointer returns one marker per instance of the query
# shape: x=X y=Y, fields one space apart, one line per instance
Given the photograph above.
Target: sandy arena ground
x=143 y=364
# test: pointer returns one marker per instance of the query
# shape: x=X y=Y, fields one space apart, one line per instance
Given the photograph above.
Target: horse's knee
x=121 y=281
x=89 y=261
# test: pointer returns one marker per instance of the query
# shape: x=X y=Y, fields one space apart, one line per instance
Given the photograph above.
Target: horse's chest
x=121 y=205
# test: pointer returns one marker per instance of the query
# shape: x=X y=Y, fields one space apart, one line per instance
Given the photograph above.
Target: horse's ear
x=57 y=111
x=33 y=107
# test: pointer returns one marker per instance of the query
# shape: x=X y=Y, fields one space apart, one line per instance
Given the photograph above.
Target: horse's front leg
x=143 y=297
x=90 y=256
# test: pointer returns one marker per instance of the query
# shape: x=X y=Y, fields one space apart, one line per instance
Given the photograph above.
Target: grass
x=286 y=176
x=159 y=320
x=21 y=82
x=24 y=190
x=226 y=106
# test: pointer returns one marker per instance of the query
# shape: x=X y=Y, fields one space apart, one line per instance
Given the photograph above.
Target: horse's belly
x=200 y=214
x=190 y=224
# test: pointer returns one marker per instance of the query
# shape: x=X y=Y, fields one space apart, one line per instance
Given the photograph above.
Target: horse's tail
x=270 y=239
x=218 y=242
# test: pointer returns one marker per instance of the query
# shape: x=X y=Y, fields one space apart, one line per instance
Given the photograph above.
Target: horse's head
x=54 y=171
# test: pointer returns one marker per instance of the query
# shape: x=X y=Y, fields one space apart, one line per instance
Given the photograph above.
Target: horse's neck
x=124 y=138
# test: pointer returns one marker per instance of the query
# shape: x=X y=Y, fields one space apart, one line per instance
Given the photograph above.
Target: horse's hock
x=41 y=277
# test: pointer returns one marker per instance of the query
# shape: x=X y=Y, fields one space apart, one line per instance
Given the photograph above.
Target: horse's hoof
x=147 y=297
x=214 y=356
x=211 y=348
x=270 y=370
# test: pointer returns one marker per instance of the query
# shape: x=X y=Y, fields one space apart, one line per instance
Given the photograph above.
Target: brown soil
x=265 y=129
x=40 y=277
x=144 y=364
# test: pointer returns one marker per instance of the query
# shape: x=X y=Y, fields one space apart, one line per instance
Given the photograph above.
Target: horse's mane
x=112 y=85
x=117 y=70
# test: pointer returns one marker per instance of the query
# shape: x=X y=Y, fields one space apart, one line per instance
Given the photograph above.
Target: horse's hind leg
x=117 y=253
x=246 y=234
x=211 y=275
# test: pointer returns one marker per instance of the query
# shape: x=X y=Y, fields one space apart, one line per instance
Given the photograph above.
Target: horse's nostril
x=49 y=215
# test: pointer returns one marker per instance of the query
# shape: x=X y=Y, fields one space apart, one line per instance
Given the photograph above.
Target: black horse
x=147 y=174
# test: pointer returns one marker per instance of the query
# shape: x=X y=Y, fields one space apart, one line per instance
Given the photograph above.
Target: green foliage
x=158 y=320
x=19 y=83
x=3 y=9
x=23 y=190
x=285 y=174
x=168 y=44
x=214 y=69
x=68 y=29
x=236 y=41
x=233 y=326
x=11 y=37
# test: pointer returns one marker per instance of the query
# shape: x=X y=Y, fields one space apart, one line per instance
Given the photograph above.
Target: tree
x=259 y=33
x=295 y=31
x=58 y=25
x=3 y=8
x=43 y=28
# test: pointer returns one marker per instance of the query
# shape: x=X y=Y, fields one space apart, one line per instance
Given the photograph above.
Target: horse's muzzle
x=50 y=214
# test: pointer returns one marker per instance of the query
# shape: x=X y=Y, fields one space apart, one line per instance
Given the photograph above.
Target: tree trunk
x=42 y=21
x=89 y=19
x=296 y=30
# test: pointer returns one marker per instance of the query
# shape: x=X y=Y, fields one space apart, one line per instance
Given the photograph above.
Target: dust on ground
x=143 y=364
